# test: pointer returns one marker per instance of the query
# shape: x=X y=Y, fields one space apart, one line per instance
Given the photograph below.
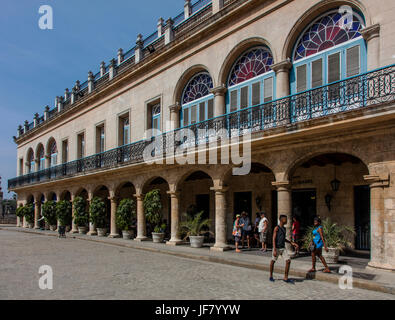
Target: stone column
x=220 y=220
x=372 y=37
x=282 y=78
x=113 y=226
x=92 y=226
x=37 y=211
x=74 y=227
x=175 y=116
x=138 y=53
x=377 y=214
x=175 y=218
x=219 y=100
x=141 y=225
x=284 y=204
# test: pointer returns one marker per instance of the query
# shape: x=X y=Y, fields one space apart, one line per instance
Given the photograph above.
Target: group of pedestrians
x=242 y=230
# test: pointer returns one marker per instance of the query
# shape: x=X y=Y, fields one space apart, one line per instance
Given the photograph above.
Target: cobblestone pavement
x=88 y=270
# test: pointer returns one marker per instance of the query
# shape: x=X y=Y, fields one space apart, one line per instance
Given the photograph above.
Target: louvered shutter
x=268 y=89
x=256 y=94
x=301 y=78
x=353 y=63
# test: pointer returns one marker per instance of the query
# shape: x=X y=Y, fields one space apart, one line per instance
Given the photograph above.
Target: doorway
x=304 y=207
x=242 y=202
x=362 y=217
x=203 y=205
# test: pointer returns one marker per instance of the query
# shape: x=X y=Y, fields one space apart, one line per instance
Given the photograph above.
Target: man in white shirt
x=263 y=229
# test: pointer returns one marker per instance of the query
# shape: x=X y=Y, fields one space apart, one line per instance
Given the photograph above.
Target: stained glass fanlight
x=30 y=157
x=251 y=64
x=40 y=153
x=198 y=87
x=328 y=31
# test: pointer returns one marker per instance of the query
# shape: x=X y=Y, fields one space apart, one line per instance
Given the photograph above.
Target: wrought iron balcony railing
x=358 y=92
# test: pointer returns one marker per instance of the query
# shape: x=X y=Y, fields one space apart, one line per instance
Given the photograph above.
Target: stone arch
x=125 y=189
x=51 y=196
x=236 y=52
x=298 y=161
x=50 y=141
x=181 y=178
x=81 y=192
x=186 y=77
x=65 y=195
x=39 y=148
x=314 y=12
x=30 y=152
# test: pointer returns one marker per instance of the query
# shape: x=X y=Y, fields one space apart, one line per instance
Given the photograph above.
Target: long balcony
x=364 y=91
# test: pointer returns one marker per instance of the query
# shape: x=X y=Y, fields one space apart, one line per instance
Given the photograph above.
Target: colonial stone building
x=310 y=84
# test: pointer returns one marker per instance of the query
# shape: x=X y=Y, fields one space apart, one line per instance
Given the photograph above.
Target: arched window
x=31 y=161
x=251 y=80
x=197 y=101
x=54 y=154
x=41 y=158
x=330 y=49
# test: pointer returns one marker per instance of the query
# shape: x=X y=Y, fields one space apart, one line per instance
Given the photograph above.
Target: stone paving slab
x=364 y=278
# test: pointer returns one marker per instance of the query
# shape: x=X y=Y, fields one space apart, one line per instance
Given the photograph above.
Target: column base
x=220 y=248
x=114 y=236
x=74 y=231
x=141 y=239
x=174 y=242
x=381 y=266
x=92 y=233
x=36 y=227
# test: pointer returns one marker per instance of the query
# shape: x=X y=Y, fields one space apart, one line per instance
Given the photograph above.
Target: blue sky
x=37 y=65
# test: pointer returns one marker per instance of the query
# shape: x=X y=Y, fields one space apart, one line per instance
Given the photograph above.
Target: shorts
x=263 y=236
x=245 y=233
x=237 y=239
x=281 y=252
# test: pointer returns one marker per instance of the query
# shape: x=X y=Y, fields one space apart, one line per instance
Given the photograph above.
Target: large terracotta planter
x=332 y=256
x=196 y=241
x=82 y=230
x=158 y=237
x=102 y=232
x=126 y=234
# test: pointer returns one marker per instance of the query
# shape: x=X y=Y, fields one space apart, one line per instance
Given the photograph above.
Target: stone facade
x=360 y=143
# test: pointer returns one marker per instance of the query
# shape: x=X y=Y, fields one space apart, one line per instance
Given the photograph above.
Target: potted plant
x=63 y=212
x=126 y=211
x=97 y=216
x=28 y=213
x=81 y=217
x=337 y=238
x=49 y=214
x=193 y=228
x=19 y=214
x=153 y=214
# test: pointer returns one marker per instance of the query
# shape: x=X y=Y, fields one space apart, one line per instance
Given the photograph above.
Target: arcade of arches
x=296 y=182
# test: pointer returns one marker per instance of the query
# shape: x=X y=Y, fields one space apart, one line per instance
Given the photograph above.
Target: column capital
x=371 y=32
x=378 y=181
x=219 y=91
x=113 y=199
x=219 y=189
x=283 y=66
x=173 y=194
x=175 y=107
x=281 y=185
x=140 y=197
